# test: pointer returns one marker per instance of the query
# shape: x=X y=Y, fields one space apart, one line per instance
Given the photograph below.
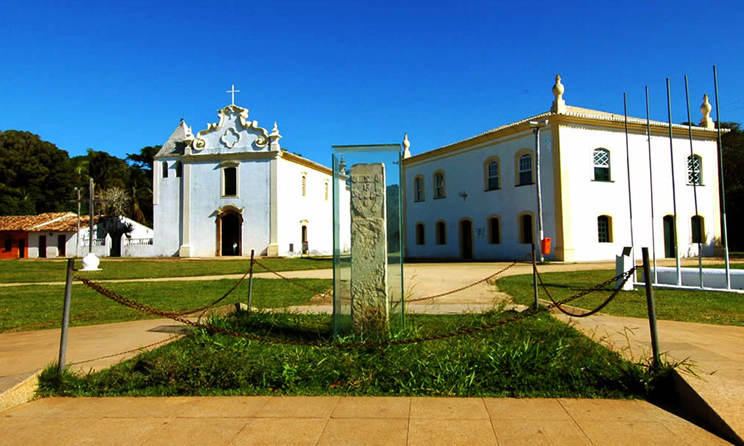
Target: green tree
x=140 y=183
x=106 y=170
x=35 y=175
x=732 y=144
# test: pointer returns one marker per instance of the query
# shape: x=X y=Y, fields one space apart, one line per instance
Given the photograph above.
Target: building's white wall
x=464 y=174
x=167 y=209
x=590 y=199
x=253 y=198
x=315 y=209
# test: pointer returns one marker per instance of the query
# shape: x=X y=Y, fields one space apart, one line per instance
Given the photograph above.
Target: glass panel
x=344 y=158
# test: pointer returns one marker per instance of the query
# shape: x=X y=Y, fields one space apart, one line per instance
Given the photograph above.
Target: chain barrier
x=350 y=345
x=293 y=282
x=492 y=276
x=628 y=274
x=206 y=307
x=164 y=341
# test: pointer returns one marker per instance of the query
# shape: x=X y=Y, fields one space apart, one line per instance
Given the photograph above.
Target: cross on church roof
x=233 y=91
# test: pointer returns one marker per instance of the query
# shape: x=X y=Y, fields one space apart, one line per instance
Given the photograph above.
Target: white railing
x=138 y=241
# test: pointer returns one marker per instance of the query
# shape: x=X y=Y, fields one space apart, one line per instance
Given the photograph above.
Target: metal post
x=721 y=189
x=90 y=223
x=674 y=189
x=694 y=188
x=65 y=315
x=536 y=130
x=651 y=182
x=534 y=270
x=630 y=195
x=651 y=307
x=250 y=283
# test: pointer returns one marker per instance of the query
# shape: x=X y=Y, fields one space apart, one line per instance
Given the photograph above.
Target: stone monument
x=369 y=279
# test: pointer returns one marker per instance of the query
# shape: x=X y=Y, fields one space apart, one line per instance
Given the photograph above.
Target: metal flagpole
x=627 y=163
x=721 y=190
x=674 y=190
x=651 y=180
x=90 y=223
x=695 y=179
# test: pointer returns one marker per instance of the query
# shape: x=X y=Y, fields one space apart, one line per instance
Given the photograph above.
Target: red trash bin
x=546 y=245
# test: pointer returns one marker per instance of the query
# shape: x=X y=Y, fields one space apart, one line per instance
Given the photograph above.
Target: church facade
x=477 y=198
x=231 y=189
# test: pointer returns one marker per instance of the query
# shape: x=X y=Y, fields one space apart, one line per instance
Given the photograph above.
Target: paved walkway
x=326 y=420
x=345 y=421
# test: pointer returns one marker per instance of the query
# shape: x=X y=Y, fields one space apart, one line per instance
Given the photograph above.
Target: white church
x=232 y=189
x=477 y=198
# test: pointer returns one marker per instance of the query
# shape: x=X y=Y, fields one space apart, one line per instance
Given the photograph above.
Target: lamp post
x=536 y=127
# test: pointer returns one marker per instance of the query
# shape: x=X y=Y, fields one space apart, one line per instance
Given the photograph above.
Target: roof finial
x=559 y=105
x=275 y=137
x=406 y=144
x=705 y=109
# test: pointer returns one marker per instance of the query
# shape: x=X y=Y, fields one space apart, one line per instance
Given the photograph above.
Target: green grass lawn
x=676 y=305
x=537 y=357
x=54 y=270
x=34 y=307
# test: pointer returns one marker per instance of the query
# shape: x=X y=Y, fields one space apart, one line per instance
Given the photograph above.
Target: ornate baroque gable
x=232 y=134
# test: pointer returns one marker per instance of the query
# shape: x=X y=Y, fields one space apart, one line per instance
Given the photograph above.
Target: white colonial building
x=232 y=189
x=476 y=199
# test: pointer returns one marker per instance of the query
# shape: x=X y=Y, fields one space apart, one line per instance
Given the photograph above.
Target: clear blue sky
x=118 y=76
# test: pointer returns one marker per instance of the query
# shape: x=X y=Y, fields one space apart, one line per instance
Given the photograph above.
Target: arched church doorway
x=670 y=248
x=229 y=233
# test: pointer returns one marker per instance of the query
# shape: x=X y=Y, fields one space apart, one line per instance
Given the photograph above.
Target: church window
x=492 y=175
x=439 y=191
x=494 y=230
x=524 y=166
x=420 y=239
x=165 y=169
x=230 y=181
x=418 y=189
x=698 y=229
x=694 y=170
x=601 y=165
x=304 y=185
x=526 y=229
x=179 y=169
x=441 y=233
x=604 y=229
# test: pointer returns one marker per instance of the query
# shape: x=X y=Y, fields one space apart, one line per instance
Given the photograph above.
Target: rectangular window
x=493 y=176
x=231 y=181
x=604 y=231
x=697 y=229
x=494 y=233
x=165 y=169
x=525 y=170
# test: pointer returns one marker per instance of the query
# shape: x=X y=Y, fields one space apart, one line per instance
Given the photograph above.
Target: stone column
x=369 y=281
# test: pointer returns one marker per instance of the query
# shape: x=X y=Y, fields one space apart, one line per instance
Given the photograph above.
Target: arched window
x=441 y=233
x=230 y=181
x=439 y=191
x=524 y=170
x=698 y=229
x=526 y=228
x=604 y=229
x=165 y=169
x=602 y=165
x=494 y=230
x=420 y=236
x=418 y=188
x=492 y=174
x=179 y=169
x=694 y=170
